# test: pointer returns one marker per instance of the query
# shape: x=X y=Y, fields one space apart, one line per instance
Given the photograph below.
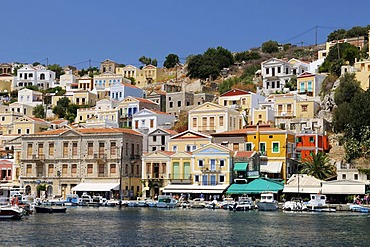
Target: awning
x=305 y=184
x=194 y=189
x=257 y=186
x=96 y=187
x=271 y=166
x=343 y=187
x=240 y=166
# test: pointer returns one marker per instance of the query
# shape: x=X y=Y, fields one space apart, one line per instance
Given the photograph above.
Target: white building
x=29 y=97
x=39 y=76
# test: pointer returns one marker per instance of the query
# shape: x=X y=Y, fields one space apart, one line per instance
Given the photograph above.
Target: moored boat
x=244 y=203
x=267 y=202
x=49 y=210
x=11 y=212
x=296 y=204
x=318 y=204
x=166 y=202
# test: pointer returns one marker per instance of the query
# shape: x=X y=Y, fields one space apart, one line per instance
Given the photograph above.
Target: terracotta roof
x=241 y=154
x=129 y=85
x=159 y=112
x=58 y=121
x=51 y=132
x=305 y=74
x=107 y=130
x=38 y=119
x=171 y=132
x=235 y=92
x=167 y=152
x=145 y=100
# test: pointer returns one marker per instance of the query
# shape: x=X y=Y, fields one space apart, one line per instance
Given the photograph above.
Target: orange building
x=308 y=143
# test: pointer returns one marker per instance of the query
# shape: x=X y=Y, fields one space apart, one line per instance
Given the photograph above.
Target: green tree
x=246 y=56
x=59 y=111
x=39 y=111
x=348 y=87
x=210 y=63
x=341 y=118
x=336 y=35
x=292 y=83
x=147 y=61
x=171 y=61
x=270 y=46
x=319 y=166
x=57 y=69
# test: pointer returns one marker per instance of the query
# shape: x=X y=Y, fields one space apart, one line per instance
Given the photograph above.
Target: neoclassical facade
x=64 y=158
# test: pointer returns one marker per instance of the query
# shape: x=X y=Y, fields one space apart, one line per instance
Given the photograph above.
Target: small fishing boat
x=49 y=210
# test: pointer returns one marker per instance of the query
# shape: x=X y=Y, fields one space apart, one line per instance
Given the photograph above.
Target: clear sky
x=70 y=32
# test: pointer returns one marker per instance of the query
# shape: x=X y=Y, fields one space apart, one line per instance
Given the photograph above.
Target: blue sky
x=70 y=32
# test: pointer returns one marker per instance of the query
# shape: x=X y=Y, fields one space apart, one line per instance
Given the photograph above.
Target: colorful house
x=311 y=143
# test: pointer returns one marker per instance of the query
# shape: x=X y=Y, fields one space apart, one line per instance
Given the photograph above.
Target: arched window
x=42 y=76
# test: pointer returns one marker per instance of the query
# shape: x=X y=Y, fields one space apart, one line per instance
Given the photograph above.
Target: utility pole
x=316 y=35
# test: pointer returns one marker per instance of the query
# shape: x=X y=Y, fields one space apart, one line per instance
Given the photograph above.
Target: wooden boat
x=49 y=210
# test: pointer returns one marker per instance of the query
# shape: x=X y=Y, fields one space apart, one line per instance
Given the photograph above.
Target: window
x=355 y=176
x=222 y=163
x=248 y=146
x=51 y=169
x=101 y=149
x=267 y=71
x=304 y=107
x=29 y=149
x=263 y=148
x=235 y=146
x=299 y=139
x=113 y=148
x=174 y=148
x=29 y=169
x=179 y=103
x=27 y=131
x=196 y=178
x=74 y=169
x=171 y=104
x=312 y=139
x=136 y=124
x=51 y=149
x=194 y=122
x=344 y=176
x=40 y=149
x=90 y=148
x=112 y=168
x=188 y=148
x=154 y=138
x=222 y=179
x=90 y=168
x=19 y=131
x=151 y=123
x=74 y=149
x=221 y=120
x=204 y=122
x=275 y=147
x=65 y=149
x=200 y=163
x=212 y=122
x=279 y=69
x=64 y=170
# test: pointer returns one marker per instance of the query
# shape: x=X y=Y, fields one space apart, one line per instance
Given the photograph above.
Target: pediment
x=211 y=149
x=70 y=133
x=156 y=154
x=181 y=155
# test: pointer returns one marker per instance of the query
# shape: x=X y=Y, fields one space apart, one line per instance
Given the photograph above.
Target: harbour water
x=88 y=226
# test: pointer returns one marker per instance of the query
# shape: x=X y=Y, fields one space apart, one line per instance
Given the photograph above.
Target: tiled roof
x=241 y=154
x=129 y=85
x=107 y=130
x=145 y=100
x=38 y=119
x=159 y=112
x=235 y=92
x=51 y=132
x=58 y=121
x=171 y=132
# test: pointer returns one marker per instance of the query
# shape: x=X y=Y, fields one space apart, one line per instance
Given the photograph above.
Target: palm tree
x=318 y=165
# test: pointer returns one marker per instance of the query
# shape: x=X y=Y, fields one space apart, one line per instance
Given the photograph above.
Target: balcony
x=157 y=176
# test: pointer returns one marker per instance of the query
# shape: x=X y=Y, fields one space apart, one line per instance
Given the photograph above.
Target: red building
x=311 y=143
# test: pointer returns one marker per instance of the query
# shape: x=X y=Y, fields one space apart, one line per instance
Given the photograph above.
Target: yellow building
x=309 y=84
x=188 y=141
x=210 y=118
x=77 y=98
x=274 y=145
x=306 y=109
x=26 y=125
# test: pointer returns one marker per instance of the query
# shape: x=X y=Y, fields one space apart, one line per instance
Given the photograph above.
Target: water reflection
x=162 y=227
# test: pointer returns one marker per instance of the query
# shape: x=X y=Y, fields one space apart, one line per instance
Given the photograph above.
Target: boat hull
x=267 y=206
x=10 y=213
x=49 y=210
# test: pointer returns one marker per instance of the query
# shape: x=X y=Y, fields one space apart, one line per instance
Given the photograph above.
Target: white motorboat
x=318 y=204
x=244 y=203
x=296 y=204
x=198 y=203
x=267 y=202
x=11 y=212
x=226 y=202
x=85 y=200
x=166 y=202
